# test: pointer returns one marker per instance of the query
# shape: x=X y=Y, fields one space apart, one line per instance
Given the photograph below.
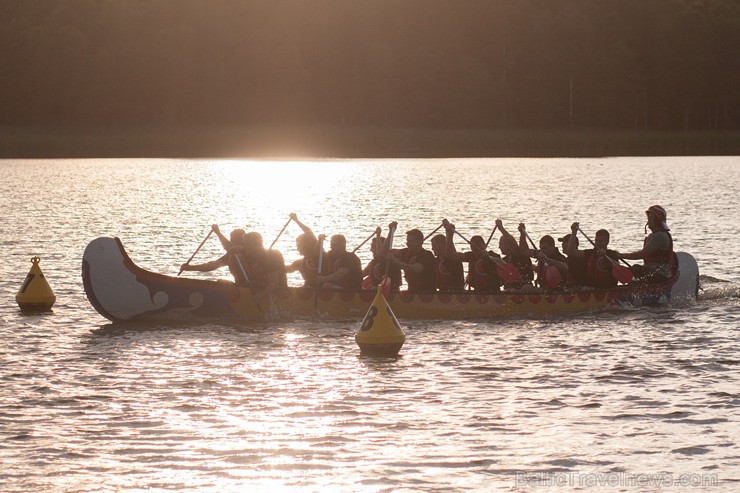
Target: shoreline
x=353 y=142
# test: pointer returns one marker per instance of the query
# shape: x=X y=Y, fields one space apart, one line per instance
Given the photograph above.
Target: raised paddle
x=321 y=264
x=491 y=236
x=385 y=283
x=620 y=272
x=197 y=250
x=552 y=274
x=367 y=281
x=374 y=233
x=430 y=234
x=507 y=272
x=280 y=233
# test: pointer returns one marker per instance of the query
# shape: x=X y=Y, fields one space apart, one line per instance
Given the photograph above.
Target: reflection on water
x=469 y=405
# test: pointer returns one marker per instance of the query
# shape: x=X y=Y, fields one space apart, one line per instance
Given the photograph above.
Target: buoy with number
x=380 y=333
x=35 y=294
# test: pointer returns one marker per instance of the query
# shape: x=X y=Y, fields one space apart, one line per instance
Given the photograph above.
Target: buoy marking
x=28 y=280
x=369 y=320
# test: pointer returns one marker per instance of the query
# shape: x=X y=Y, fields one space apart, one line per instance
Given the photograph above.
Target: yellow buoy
x=380 y=333
x=35 y=294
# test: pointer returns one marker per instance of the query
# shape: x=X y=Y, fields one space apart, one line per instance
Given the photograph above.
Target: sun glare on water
x=264 y=193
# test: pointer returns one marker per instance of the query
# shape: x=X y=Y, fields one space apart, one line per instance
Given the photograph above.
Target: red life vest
x=449 y=275
x=542 y=271
x=599 y=270
x=482 y=274
x=376 y=272
x=426 y=281
x=523 y=264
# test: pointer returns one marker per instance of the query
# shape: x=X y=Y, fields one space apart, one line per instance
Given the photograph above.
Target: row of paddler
x=441 y=269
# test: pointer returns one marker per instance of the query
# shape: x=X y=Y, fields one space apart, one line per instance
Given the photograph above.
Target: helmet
x=660 y=215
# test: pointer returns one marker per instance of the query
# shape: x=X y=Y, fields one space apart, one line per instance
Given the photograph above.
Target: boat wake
x=714 y=289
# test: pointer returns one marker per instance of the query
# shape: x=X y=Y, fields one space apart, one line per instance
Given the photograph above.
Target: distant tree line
x=615 y=64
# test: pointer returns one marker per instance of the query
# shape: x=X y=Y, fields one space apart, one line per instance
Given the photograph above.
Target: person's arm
x=303 y=227
x=657 y=242
x=523 y=245
x=208 y=266
x=507 y=235
x=416 y=267
x=573 y=250
x=337 y=275
x=225 y=242
x=559 y=265
x=450 y=250
x=296 y=265
x=385 y=249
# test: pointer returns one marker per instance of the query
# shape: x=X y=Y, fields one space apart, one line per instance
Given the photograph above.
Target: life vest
x=426 y=281
x=577 y=271
x=599 y=270
x=350 y=261
x=256 y=273
x=449 y=275
x=523 y=264
x=376 y=272
x=660 y=256
x=309 y=269
x=482 y=274
x=542 y=271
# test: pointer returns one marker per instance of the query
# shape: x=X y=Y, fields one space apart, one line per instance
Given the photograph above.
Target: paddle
x=620 y=273
x=280 y=233
x=491 y=236
x=385 y=284
x=374 y=233
x=430 y=234
x=552 y=274
x=197 y=250
x=367 y=281
x=507 y=272
x=321 y=264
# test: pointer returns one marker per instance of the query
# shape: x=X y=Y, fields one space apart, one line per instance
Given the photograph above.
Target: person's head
x=601 y=239
x=375 y=245
x=477 y=242
x=656 y=218
x=547 y=245
x=506 y=245
x=252 y=242
x=414 y=239
x=338 y=243
x=306 y=244
x=439 y=242
x=565 y=240
x=237 y=235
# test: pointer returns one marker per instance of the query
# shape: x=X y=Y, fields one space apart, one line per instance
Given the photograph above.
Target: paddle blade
x=367 y=282
x=507 y=272
x=621 y=273
x=552 y=276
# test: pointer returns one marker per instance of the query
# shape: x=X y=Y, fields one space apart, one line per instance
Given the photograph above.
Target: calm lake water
x=644 y=399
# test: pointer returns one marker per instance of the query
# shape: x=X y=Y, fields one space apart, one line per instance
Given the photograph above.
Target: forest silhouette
x=371 y=77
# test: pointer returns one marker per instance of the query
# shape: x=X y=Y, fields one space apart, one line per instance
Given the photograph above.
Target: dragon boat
x=122 y=291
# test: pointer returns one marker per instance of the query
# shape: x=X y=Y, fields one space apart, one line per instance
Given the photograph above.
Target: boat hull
x=121 y=291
